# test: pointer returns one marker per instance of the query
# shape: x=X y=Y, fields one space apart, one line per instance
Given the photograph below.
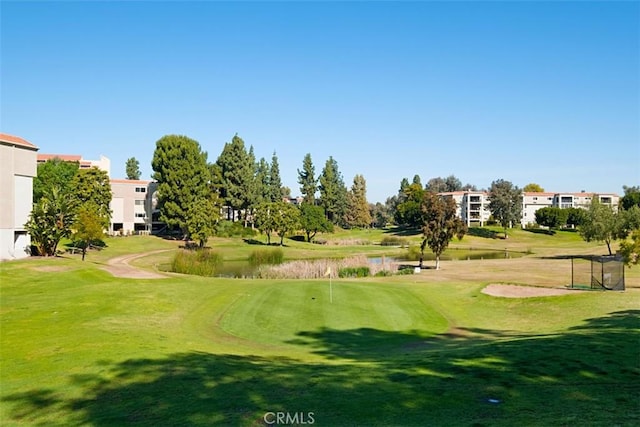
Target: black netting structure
x=597 y=272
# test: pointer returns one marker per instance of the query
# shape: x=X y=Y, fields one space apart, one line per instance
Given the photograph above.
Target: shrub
x=268 y=256
x=405 y=270
x=393 y=241
x=201 y=262
x=383 y=273
x=353 y=272
x=413 y=253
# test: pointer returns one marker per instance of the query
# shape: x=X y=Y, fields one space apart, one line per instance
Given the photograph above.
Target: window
x=139 y=202
x=141 y=190
x=140 y=214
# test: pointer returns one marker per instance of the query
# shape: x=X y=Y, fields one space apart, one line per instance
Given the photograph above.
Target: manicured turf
x=80 y=347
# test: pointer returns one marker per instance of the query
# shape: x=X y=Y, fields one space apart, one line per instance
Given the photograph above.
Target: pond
x=243 y=269
x=455 y=255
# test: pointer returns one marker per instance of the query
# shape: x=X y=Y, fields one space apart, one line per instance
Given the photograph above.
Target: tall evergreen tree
x=275 y=182
x=133 y=168
x=237 y=174
x=358 y=214
x=263 y=188
x=333 y=192
x=307 y=180
x=183 y=176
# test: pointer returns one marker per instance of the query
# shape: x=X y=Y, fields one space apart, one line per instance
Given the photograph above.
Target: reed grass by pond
x=205 y=262
x=270 y=263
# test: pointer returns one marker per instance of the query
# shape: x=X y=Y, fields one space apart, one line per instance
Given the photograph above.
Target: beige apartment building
x=531 y=202
x=18 y=167
x=473 y=206
x=132 y=206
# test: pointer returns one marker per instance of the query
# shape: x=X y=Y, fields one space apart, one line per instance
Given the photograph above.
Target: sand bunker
x=515 y=291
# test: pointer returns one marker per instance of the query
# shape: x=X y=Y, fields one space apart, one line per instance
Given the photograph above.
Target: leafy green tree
x=417 y=180
x=313 y=221
x=357 y=214
x=286 y=218
x=505 y=203
x=533 y=188
x=444 y=185
x=440 y=224
x=201 y=220
x=333 y=192
x=50 y=220
x=264 y=218
x=88 y=226
x=93 y=186
x=575 y=216
x=436 y=185
x=286 y=193
x=54 y=173
x=552 y=217
x=183 y=176
x=631 y=197
x=133 y=168
x=630 y=249
x=603 y=224
x=409 y=212
x=237 y=175
x=307 y=180
x=380 y=214
x=275 y=181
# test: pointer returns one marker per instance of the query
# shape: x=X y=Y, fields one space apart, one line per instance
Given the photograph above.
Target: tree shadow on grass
x=372 y=377
x=546 y=231
x=483 y=232
x=403 y=231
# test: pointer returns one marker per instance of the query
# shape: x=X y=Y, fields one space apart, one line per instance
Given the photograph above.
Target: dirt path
x=120 y=267
x=515 y=291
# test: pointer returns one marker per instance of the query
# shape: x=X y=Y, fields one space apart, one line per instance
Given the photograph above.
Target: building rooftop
x=16 y=140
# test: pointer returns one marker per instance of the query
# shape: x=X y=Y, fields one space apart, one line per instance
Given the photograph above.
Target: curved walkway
x=120 y=267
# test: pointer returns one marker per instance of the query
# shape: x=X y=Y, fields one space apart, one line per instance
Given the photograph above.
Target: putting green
x=289 y=312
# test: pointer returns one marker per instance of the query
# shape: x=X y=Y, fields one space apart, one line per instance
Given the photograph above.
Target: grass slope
x=80 y=347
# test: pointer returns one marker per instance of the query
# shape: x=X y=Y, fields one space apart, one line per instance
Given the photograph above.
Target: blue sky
x=545 y=92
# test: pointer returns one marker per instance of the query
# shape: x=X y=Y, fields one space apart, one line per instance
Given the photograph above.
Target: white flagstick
x=328 y=272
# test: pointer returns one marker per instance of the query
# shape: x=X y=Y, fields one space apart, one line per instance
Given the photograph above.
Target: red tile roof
x=63 y=157
x=16 y=140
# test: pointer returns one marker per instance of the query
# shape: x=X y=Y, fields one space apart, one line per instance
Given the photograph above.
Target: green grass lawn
x=80 y=347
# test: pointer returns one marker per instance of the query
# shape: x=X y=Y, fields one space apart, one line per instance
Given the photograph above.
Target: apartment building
x=472 y=206
x=132 y=206
x=531 y=202
x=17 y=170
x=103 y=164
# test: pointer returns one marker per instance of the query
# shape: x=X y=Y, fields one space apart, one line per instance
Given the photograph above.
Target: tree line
x=193 y=191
